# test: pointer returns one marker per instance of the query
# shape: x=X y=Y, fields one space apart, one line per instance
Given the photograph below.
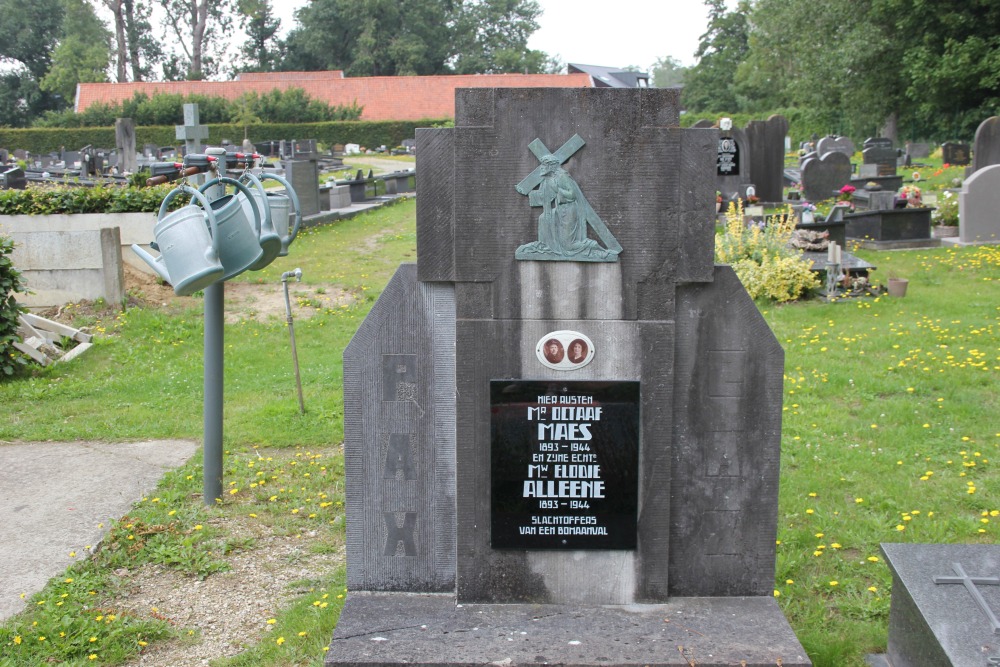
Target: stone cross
x=970 y=585
x=191 y=131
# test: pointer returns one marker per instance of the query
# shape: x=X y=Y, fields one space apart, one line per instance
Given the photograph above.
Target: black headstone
x=956 y=153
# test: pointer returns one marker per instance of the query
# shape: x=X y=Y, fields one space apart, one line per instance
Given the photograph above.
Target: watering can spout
x=155 y=263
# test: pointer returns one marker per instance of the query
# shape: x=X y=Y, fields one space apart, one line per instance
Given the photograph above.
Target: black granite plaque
x=564 y=464
x=728 y=160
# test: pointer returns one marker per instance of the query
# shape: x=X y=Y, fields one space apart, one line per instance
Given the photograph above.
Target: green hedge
x=41 y=200
x=363 y=132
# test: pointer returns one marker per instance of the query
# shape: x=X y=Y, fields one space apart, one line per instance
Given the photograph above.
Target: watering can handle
x=263 y=193
x=159 y=180
x=213 y=225
x=295 y=202
x=244 y=190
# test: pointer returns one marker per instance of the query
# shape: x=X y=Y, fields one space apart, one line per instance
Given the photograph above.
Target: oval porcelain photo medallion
x=564 y=350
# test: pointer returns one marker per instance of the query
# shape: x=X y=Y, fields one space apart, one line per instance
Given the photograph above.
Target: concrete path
x=53 y=496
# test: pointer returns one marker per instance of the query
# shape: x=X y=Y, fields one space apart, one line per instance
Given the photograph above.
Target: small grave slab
x=945 y=601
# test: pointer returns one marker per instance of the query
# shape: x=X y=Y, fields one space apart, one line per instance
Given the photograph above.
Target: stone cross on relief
x=566 y=213
x=970 y=585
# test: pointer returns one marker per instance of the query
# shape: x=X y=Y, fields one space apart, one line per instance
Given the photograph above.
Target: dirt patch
x=244 y=301
x=227 y=611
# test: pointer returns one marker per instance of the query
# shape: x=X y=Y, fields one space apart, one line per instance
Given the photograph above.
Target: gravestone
x=883 y=158
x=955 y=153
x=13 y=179
x=732 y=162
x=191 y=132
x=986 y=150
x=125 y=144
x=767 y=156
x=877 y=142
x=823 y=176
x=917 y=150
x=304 y=177
x=563 y=425
x=945 y=602
x=71 y=159
x=4 y=156
x=978 y=203
x=831 y=143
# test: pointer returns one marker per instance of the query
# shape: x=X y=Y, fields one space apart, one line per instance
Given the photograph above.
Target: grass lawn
x=889 y=435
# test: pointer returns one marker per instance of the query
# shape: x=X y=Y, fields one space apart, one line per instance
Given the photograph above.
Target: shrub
x=10 y=309
x=761 y=257
x=48 y=199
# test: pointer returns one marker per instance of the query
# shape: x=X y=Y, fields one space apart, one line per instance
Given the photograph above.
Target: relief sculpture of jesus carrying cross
x=566 y=213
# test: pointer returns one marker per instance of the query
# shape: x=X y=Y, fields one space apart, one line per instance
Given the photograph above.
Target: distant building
x=610 y=77
x=381 y=97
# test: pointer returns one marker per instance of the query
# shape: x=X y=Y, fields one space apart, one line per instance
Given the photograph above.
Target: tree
x=710 y=84
x=372 y=37
x=950 y=72
x=200 y=28
x=261 y=48
x=492 y=38
x=82 y=52
x=667 y=72
x=405 y=37
x=135 y=47
x=28 y=34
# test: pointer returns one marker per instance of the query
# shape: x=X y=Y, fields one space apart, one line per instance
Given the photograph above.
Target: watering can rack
x=219 y=235
x=216 y=236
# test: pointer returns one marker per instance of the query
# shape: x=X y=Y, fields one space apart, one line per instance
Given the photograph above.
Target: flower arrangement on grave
x=753 y=199
x=846 y=192
x=946 y=213
x=807 y=206
x=718 y=196
x=912 y=196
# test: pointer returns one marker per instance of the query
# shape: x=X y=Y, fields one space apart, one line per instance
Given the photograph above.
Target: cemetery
x=627 y=477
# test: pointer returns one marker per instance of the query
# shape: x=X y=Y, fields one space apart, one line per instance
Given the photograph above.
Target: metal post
x=297 y=274
x=215 y=297
x=214 y=358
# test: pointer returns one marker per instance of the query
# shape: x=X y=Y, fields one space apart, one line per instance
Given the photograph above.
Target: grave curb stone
x=414 y=629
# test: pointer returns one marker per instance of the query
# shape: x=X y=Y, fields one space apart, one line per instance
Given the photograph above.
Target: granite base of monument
x=945 y=598
x=891 y=229
x=414 y=629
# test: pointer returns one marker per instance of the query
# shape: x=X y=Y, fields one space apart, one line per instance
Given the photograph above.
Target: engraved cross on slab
x=566 y=213
x=970 y=585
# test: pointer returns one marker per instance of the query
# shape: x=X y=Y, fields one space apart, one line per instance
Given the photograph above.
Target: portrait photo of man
x=553 y=351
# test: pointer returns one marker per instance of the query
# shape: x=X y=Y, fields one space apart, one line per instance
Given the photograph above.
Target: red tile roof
x=381 y=97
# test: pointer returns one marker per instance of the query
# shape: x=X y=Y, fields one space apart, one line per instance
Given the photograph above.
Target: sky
x=615 y=33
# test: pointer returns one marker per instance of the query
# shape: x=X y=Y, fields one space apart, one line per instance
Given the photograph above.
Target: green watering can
x=275 y=212
x=188 y=241
x=239 y=234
